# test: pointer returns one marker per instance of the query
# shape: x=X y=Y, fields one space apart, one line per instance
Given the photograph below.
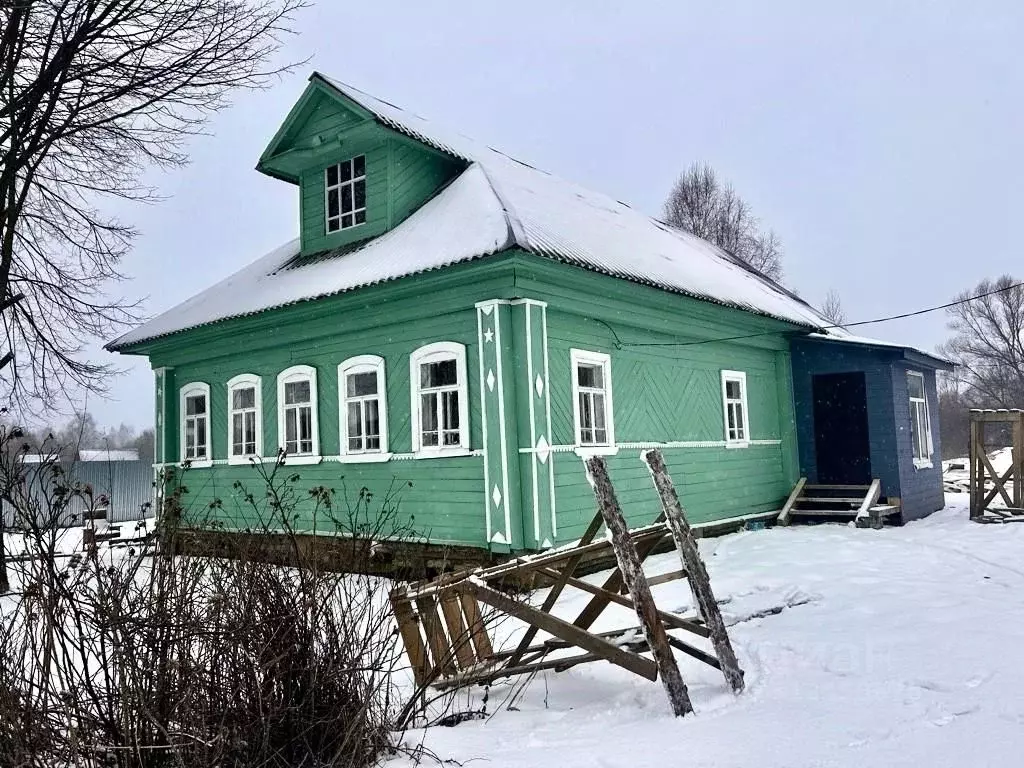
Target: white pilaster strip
x=547 y=409
x=483 y=418
x=533 y=428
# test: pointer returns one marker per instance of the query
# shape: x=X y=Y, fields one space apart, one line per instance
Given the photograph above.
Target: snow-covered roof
x=102 y=454
x=841 y=335
x=496 y=203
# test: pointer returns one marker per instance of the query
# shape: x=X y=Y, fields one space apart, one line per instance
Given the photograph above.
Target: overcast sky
x=882 y=141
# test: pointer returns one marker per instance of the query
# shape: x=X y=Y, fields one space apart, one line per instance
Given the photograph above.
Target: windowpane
x=360 y=194
x=359 y=384
x=346 y=221
x=296 y=392
x=355 y=424
x=346 y=199
x=915 y=384
x=359 y=164
x=250 y=432
x=451 y=409
x=236 y=434
x=190 y=438
x=732 y=390
x=243 y=398
x=599 y=422
x=291 y=427
x=195 y=404
x=201 y=437
x=332 y=175
x=428 y=419
x=332 y=203
x=346 y=170
x=372 y=414
x=591 y=376
x=360 y=217
x=443 y=373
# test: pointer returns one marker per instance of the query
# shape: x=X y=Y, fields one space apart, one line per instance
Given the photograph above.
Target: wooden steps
x=859 y=503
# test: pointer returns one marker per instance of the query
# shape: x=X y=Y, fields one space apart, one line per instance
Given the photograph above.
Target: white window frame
x=351 y=182
x=741 y=378
x=188 y=390
x=587 y=357
x=288 y=375
x=355 y=365
x=245 y=381
x=920 y=462
x=433 y=353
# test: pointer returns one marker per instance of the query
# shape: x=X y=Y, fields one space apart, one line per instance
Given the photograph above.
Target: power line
x=620 y=344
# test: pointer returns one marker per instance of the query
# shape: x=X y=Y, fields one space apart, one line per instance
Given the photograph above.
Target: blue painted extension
x=888 y=415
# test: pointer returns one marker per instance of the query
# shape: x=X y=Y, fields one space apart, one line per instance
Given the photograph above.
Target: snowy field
x=900 y=647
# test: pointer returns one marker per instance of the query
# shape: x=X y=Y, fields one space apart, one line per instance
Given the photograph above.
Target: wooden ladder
x=843 y=502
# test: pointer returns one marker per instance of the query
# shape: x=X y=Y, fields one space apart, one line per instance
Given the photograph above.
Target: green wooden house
x=456 y=319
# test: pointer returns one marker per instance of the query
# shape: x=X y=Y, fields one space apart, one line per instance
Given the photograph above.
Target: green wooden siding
x=662 y=394
x=400 y=177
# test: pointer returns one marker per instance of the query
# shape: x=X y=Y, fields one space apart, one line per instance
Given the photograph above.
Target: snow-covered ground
x=902 y=647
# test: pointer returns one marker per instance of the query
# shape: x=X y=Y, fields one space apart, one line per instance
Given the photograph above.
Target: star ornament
x=488 y=335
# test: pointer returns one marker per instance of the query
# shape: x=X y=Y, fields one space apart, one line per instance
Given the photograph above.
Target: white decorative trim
x=576 y=357
x=255 y=381
x=586 y=451
x=501 y=425
x=483 y=415
x=362 y=364
x=547 y=416
x=741 y=378
x=429 y=353
x=299 y=372
x=533 y=426
x=530 y=302
x=647 y=445
x=195 y=388
x=361 y=458
x=488 y=305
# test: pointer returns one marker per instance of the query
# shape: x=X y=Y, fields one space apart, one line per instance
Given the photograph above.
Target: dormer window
x=345 y=185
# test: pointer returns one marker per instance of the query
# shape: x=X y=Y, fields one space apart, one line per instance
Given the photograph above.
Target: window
x=297 y=430
x=363 y=407
x=440 y=401
x=734 y=399
x=195 y=424
x=245 y=418
x=592 y=398
x=345 y=188
x=920 y=426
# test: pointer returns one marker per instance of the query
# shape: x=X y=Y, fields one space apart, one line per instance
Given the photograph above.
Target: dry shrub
x=135 y=656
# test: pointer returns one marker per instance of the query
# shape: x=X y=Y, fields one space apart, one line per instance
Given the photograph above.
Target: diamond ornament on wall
x=496 y=497
x=539 y=385
x=543 y=450
x=490 y=379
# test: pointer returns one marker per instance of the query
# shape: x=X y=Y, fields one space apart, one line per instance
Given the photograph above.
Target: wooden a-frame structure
x=448 y=643
x=985 y=482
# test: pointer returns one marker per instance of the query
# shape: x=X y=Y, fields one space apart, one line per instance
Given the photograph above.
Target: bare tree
x=93 y=93
x=988 y=343
x=832 y=308
x=704 y=206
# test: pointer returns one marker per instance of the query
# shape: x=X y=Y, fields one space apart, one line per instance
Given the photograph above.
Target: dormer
x=357 y=178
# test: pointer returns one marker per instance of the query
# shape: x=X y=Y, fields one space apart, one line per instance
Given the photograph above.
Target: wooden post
x=694 y=566
x=636 y=582
x=1018 y=461
x=410 y=632
x=976 y=486
x=787 y=508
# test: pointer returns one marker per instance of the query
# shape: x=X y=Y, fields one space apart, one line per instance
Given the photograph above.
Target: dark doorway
x=841 y=429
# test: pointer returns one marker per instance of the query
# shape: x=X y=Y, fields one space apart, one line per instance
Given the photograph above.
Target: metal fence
x=127 y=484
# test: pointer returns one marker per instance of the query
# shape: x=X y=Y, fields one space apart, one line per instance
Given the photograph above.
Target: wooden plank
x=452 y=610
x=788 y=506
x=631 y=567
x=613 y=583
x=477 y=630
x=858 y=500
x=837 y=487
x=556 y=588
x=694 y=565
x=676 y=622
x=442 y=661
x=665 y=578
x=998 y=481
x=870 y=499
x=563 y=630
x=410 y=632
